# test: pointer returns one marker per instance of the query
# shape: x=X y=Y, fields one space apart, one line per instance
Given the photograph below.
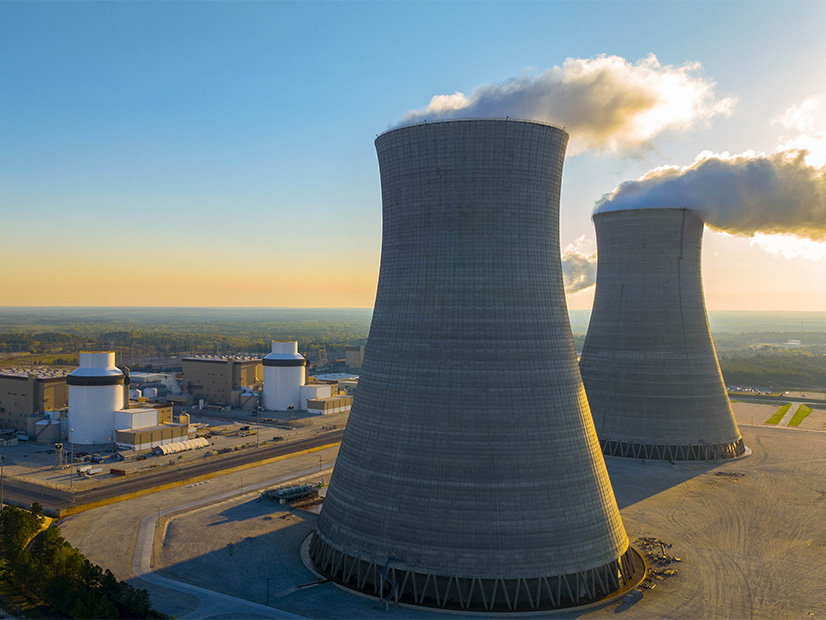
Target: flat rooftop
x=220 y=358
x=41 y=372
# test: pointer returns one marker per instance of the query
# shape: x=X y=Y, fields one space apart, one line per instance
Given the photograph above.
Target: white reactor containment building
x=284 y=375
x=96 y=391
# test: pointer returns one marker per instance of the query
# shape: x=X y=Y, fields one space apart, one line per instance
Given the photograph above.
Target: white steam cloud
x=606 y=104
x=740 y=194
x=778 y=199
x=579 y=266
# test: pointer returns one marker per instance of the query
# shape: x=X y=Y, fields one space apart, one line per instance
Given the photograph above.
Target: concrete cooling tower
x=648 y=364
x=470 y=475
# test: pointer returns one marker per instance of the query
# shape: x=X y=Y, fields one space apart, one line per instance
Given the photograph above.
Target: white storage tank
x=135 y=394
x=96 y=391
x=284 y=374
x=150 y=392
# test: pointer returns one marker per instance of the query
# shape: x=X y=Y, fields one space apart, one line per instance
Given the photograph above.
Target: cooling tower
x=470 y=475
x=648 y=364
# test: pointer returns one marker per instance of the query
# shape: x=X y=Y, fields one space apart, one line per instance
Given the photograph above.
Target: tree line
x=44 y=566
x=775 y=368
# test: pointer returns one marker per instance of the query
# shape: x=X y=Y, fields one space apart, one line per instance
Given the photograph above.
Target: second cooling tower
x=470 y=476
x=648 y=363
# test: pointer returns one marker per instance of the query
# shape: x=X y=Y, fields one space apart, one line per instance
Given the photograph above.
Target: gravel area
x=749 y=533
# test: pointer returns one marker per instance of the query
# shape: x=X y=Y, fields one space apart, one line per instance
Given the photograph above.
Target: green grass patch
x=781 y=413
x=800 y=415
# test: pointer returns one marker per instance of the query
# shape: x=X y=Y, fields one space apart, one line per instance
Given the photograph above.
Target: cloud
x=790 y=246
x=579 y=267
x=801 y=117
x=606 y=104
x=744 y=194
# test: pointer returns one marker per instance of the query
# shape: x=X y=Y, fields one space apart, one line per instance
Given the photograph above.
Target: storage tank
x=150 y=392
x=648 y=363
x=135 y=394
x=470 y=476
x=96 y=391
x=284 y=374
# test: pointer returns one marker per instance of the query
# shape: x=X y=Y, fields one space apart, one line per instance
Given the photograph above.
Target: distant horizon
x=23 y=307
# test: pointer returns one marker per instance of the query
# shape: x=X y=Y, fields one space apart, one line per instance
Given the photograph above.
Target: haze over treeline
x=749 y=343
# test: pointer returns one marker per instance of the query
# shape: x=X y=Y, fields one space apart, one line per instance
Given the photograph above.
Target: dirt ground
x=750 y=535
x=756 y=414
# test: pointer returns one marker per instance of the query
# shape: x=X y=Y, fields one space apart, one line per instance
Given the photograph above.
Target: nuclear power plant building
x=470 y=475
x=649 y=365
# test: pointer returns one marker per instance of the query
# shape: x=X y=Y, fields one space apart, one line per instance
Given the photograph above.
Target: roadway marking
x=212 y=603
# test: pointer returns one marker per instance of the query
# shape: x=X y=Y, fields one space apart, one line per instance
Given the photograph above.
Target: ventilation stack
x=649 y=364
x=96 y=391
x=470 y=475
x=284 y=374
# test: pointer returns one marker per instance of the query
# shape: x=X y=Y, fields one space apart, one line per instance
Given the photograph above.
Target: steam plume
x=579 y=269
x=605 y=103
x=749 y=193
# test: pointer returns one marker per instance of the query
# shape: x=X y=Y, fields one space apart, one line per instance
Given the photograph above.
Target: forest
x=41 y=566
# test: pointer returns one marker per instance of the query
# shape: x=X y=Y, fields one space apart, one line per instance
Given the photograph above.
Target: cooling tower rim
x=601 y=212
x=498 y=119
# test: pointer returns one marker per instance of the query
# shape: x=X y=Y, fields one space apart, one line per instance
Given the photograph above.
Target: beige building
x=24 y=392
x=142 y=427
x=214 y=377
x=326 y=406
x=354 y=356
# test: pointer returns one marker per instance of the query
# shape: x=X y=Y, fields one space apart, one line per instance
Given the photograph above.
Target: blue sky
x=178 y=134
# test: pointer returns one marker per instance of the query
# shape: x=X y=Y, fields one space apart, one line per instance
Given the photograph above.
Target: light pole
x=2 y=479
x=72 y=465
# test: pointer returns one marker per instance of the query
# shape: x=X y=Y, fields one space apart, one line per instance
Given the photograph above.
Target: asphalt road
x=24 y=494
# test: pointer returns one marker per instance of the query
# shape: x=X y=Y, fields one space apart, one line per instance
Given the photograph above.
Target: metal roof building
x=470 y=476
x=648 y=363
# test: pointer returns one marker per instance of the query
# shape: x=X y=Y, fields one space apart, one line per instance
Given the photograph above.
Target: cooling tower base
x=663 y=452
x=391 y=582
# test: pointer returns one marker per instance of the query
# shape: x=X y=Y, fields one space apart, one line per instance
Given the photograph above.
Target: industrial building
x=214 y=377
x=648 y=364
x=139 y=428
x=470 y=475
x=26 y=392
x=285 y=372
x=100 y=411
x=354 y=356
x=286 y=387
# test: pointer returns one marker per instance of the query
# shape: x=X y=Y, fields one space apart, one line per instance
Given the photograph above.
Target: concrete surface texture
x=110 y=535
x=749 y=533
x=470 y=451
x=648 y=362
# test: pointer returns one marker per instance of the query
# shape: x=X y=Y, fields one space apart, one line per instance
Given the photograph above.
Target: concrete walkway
x=213 y=604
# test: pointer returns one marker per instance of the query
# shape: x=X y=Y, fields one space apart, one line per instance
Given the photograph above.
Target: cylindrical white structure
x=135 y=394
x=150 y=392
x=95 y=393
x=283 y=376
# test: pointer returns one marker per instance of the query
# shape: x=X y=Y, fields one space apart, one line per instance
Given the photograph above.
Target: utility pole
x=72 y=465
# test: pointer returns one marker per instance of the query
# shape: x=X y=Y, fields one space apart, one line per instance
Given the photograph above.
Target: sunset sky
x=221 y=153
